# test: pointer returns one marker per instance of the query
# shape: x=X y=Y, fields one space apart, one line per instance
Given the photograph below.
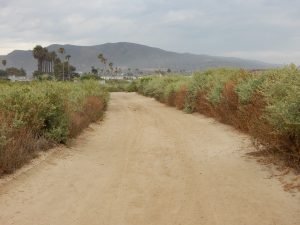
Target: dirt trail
x=148 y=164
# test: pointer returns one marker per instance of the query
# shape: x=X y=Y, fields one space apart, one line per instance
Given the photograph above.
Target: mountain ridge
x=132 y=55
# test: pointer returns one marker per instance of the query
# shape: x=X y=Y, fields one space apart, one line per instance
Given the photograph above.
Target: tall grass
x=265 y=104
x=36 y=115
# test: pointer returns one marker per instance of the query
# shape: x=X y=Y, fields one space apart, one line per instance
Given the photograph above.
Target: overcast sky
x=267 y=30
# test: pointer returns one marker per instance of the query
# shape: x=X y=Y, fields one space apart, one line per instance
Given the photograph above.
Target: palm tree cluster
x=50 y=63
x=45 y=59
x=110 y=69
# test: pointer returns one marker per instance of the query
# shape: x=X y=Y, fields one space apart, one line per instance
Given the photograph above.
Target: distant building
x=118 y=77
x=14 y=78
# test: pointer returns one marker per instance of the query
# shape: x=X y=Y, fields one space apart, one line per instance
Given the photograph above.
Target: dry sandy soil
x=149 y=164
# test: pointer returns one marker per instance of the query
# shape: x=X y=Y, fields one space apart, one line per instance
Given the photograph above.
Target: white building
x=14 y=78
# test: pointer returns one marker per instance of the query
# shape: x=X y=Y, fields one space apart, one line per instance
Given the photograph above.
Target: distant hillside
x=130 y=55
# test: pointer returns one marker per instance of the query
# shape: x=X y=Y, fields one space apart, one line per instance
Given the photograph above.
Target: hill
x=130 y=55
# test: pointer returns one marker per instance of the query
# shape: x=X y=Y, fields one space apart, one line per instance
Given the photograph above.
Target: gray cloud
x=267 y=30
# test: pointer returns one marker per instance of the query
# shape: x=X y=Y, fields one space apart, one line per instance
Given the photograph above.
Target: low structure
x=118 y=77
x=14 y=78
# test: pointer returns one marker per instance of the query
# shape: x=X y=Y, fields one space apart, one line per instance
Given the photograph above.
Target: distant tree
x=94 y=70
x=62 y=52
x=3 y=74
x=22 y=72
x=15 y=71
x=53 y=57
x=116 y=70
x=58 y=68
x=73 y=73
x=50 y=58
x=111 y=68
x=169 y=70
x=105 y=61
x=45 y=60
x=68 y=59
x=38 y=53
x=89 y=76
x=4 y=62
x=102 y=60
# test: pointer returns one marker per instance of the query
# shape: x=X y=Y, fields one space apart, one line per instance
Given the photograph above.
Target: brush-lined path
x=149 y=164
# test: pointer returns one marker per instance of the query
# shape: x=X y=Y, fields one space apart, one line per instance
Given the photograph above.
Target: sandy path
x=149 y=164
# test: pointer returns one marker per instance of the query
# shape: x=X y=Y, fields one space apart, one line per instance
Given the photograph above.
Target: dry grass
x=20 y=150
x=180 y=96
x=92 y=110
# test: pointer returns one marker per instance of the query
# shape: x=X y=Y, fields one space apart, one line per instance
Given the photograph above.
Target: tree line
x=56 y=65
x=107 y=69
x=10 y=71
x=50 y=64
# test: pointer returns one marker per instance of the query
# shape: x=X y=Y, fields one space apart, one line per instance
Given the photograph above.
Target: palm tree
x=4 y=64
x=68 y=59
x=111 y=66
x=37 y=53
x=101 y=57
x=49 y=58
x=62 y=52
x=94 y=70
x=120 y=71
x=53 y=56
x=45 y=58
x=102 y=60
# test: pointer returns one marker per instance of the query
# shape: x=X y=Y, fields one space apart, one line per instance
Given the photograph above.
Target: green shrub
x=132 y=86
x=35 y=111
x=267 y=103
x=248 y=86
x=281 y=91
x=160 y=87
x=117 y=85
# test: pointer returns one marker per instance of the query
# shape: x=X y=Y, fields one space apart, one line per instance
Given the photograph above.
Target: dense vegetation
x=36 y=115
x=265 y=104
x=14 y=71
x=10 y=71
x=120 y=85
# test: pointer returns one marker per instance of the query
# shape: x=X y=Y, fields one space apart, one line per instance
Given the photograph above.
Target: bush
x=117 y=85
x=132 y=86
x=265 y=104
x=161 y=88
x=247 y=87
x=43 y=111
